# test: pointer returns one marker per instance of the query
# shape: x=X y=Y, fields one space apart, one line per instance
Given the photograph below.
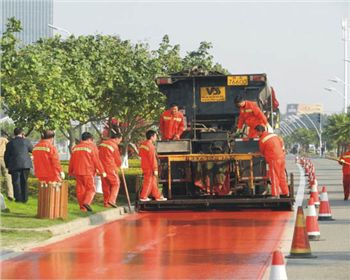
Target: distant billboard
x=310 y=108
x=297 y=109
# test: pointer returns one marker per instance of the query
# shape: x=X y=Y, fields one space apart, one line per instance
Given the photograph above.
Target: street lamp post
x=344 y=95
x=59 y=29
x=318 y=131
x=345 y=28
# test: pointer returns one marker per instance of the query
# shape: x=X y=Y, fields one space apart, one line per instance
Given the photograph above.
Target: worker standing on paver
x=47 y=167
x=249 y=114
x=344 y=160
x=83 y=165
x=171 y=123
x=111 y=161
x=149 y=167
x=271 y=147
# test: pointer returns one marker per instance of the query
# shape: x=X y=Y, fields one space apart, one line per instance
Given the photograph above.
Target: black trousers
x=19 y=182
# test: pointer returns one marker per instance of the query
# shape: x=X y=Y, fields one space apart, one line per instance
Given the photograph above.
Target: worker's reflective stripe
x=107 y=146
x=166 y=118
x=46 y=149
x=247 y=110
x=81 y=149
x=346 y=156
x=267 y=137
x=144 y=147
x=177 y=119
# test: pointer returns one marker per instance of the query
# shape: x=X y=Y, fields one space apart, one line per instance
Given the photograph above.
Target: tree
x=337 y=130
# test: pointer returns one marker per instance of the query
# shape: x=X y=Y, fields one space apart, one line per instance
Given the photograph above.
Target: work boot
x=112 y=204
x=145 y=199
x=162 y=199
x=87 y=207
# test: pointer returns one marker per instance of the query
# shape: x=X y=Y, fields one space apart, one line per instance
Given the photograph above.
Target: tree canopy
x=88 y=78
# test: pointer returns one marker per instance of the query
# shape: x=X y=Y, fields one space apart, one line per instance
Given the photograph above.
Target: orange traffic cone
x=325 y=209
x=278 y=268
x=312 y=228
x=300 y=245
x=314 y=194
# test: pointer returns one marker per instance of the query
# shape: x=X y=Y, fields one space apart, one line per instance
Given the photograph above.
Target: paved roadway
x=193 y=245
x=333 y=250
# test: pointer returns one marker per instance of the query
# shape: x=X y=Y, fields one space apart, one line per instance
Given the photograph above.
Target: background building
x=35 y=15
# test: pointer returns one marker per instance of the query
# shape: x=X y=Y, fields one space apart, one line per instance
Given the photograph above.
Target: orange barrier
x=312 y=228
x=325 y=208
x=278 y=267
x=300 y=245
x=53 y=200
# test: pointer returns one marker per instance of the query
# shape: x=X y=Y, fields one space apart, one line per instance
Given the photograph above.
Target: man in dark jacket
x=18 y=163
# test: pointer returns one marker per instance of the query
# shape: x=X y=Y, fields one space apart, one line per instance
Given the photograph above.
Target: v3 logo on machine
x=213 y=94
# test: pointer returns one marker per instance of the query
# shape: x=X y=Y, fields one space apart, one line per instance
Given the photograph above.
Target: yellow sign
x=213 y=94
x=237 y=80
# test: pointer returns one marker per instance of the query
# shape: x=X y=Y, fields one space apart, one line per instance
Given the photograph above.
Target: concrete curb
x=66 y=230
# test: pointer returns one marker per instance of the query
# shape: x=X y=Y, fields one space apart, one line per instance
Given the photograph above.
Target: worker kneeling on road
x=344 y=160
x=272 y=148
x=111 y=161
x=149 y=167
x=47 y=167
x=83 y=164
x=171 y=123
x=249 y=114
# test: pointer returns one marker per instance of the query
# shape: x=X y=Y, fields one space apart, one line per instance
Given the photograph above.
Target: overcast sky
x=299 y=45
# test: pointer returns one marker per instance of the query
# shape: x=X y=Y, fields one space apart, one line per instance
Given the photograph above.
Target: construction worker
x=171 y=123
x=272 y=148
x=344 y=160
x=249 y=114
x=149 y=167
x=83 y=165
x=111 y=161
x=47 y=167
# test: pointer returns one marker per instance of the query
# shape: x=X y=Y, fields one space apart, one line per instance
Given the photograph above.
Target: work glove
x=155 y=173
x=176 y=137
x=341 y=161
x=63 y=176
x=104 y=175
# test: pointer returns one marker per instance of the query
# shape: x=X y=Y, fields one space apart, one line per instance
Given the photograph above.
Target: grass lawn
x=14 y=238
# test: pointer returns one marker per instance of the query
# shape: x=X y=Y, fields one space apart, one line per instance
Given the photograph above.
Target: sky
x=297 y=44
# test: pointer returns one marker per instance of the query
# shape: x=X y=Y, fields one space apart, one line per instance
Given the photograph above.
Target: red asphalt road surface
x=161 y=245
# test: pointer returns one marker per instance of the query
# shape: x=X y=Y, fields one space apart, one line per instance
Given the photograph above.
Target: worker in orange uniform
x=249 y=114
x=47 y=167
x=149 y=167
x=111 y=161
x=171 y=123
x=83 y=165
x=272 y=148
x=344 y=160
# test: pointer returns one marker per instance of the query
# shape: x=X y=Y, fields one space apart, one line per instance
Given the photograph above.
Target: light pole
x=344 y=95
x=59 y=29
x=318 y=130
x=297 y=118
x=345 y=28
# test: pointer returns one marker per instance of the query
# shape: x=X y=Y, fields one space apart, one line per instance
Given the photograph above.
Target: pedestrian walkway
x=333 y=248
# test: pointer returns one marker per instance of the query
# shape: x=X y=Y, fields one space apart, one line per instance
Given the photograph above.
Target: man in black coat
x=18 y=162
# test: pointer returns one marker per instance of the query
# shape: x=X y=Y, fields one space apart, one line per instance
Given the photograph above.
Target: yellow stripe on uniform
x=46 y=149
x=107 y=146
x=346 y=156
x=144 y=147
x=247 y=110
x=166 y=118
x=267 y=137
x=81 y=149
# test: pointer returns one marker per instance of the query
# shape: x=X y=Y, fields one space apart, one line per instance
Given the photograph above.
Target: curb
x=66 y=230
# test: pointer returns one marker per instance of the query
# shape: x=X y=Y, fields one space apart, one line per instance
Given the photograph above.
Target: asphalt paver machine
x=210 y=166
